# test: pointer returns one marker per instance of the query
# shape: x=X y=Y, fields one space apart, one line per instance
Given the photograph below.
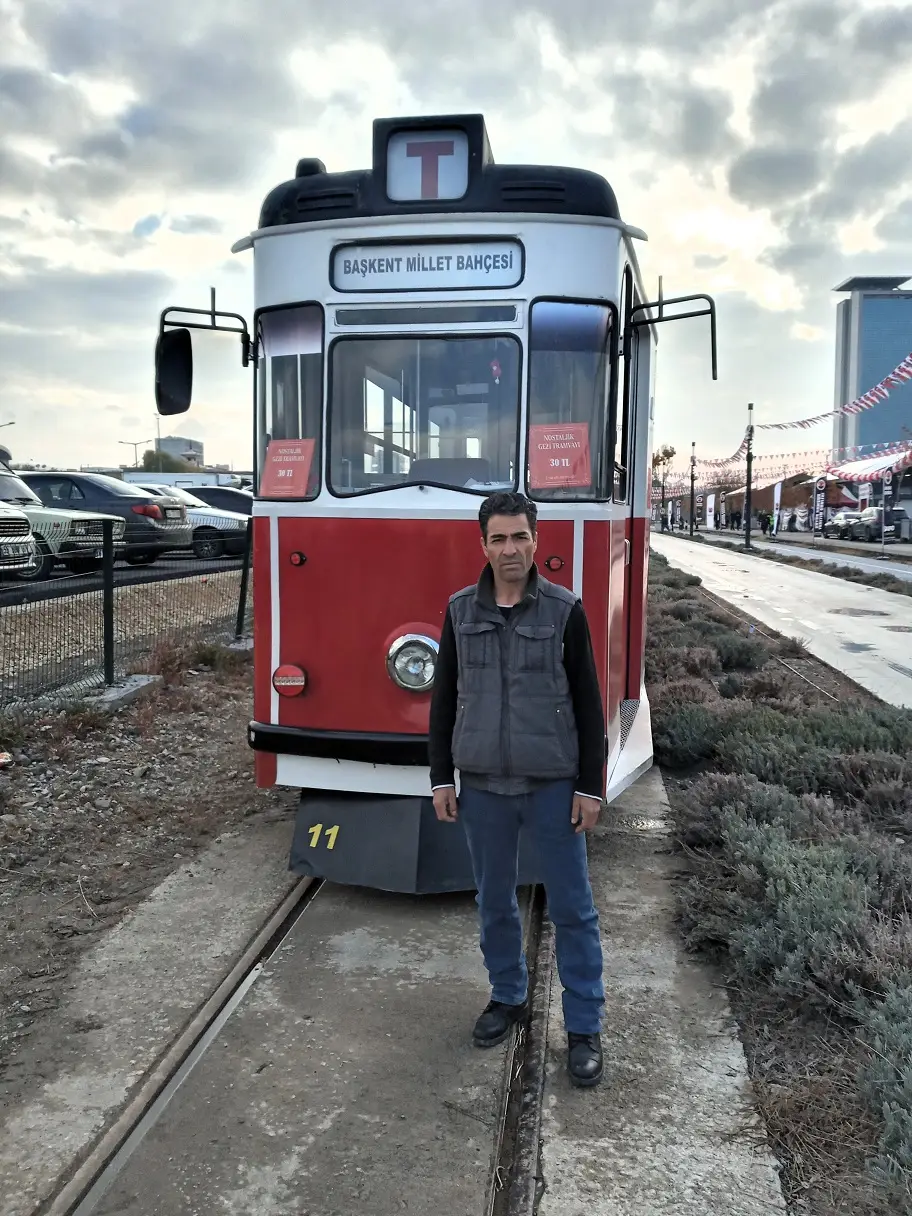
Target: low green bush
x=671 y=695
x=685 y=736
x=737 y=653
x=801 y=917
x=731 y=685
x=707 y=805
x=885 y=1082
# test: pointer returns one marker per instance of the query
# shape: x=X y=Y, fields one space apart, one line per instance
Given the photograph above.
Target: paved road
x=870 y=565
x=861 y=631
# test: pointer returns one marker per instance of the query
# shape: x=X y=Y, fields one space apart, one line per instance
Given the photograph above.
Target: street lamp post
x=135 y=446
x=750 y=469
x=693 y=482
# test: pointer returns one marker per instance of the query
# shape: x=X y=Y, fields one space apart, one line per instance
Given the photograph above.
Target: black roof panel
x=361 y=194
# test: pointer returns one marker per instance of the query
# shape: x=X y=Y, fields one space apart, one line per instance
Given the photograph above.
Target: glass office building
x=873 y=335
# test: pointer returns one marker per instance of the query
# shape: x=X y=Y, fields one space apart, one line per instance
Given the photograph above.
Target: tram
x=425 y=332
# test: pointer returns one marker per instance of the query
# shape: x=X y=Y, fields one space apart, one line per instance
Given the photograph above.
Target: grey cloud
x=195 y=225
x=20 y=176
x=708 y=261
x=896 y=225
x=32 y=101
x=683 y=121
x=885 y=31
x=764 y=175
x=863 y=175
x=795 y=99
x=47 y=298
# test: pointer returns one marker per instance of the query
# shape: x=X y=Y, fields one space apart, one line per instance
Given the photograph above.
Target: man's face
x=510 y=547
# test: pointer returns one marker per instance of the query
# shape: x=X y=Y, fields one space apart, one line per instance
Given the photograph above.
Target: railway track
x=113 y=1178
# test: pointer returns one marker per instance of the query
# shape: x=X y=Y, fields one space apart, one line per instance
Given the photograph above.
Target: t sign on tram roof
x=427 y=165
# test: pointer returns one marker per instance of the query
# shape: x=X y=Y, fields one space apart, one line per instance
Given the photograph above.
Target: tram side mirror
x=173 y=371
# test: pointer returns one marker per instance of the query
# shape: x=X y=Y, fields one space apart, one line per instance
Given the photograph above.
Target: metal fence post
x=107 y=598
x=245 y=580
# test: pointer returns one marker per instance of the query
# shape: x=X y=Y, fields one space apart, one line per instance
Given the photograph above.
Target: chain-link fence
x=69 y=633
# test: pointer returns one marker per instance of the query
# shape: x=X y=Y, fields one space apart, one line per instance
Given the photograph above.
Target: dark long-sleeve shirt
x=579 y=664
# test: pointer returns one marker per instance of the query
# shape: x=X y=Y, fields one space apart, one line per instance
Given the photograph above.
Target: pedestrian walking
x=517 y=709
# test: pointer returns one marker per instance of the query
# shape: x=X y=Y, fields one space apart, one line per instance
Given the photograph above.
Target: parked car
x=17 y=544
x=840 y=525
x=215 y=532
x=151 y=526
x=226 y=498
x=60 y=534
x=868 y=525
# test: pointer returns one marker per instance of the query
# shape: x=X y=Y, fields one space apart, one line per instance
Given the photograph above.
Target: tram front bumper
x=386 y=843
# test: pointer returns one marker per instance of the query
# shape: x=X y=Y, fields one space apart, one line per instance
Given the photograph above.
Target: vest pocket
x=475 y=644
x=535 y=647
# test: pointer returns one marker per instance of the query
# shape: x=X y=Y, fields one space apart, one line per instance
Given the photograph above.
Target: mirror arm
x=661 y=304
x=214 y=323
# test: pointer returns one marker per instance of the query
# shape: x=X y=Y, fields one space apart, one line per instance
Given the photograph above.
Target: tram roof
x=407 y=158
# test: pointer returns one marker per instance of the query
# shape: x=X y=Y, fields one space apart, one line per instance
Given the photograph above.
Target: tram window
x=438 y=410
x=570 y=381
x=290 y=404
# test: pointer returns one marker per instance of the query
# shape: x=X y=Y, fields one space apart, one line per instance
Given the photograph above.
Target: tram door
x=631 y=446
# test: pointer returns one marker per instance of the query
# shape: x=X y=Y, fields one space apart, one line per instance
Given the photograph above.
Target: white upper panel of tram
x=478 y=258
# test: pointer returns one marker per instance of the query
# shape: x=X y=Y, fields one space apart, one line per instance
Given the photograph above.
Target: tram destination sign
x=427 y=266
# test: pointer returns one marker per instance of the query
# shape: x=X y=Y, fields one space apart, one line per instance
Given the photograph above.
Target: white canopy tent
x=872 y=468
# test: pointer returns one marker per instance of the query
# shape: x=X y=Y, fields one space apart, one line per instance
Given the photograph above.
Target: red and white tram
x=425 y=332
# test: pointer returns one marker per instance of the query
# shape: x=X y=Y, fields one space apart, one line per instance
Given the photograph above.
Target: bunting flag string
x=816 y=456
x=718 y=464
x=900 y=375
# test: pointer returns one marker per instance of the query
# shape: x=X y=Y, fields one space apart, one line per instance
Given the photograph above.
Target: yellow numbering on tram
x=330 y=834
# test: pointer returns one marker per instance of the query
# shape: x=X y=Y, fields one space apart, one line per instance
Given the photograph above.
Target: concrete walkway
x=346 y=1082
x=659 y=1137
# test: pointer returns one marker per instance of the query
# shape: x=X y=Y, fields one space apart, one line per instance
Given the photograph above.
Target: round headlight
x=412 y=661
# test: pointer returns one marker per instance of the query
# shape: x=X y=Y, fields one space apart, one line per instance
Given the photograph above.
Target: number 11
x=331 y=834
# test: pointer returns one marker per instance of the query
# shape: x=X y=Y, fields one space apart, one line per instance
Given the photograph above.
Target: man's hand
x=584 y=814
x=445 y=805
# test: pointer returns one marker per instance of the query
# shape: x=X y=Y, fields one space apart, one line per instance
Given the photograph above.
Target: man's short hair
x=505 y=503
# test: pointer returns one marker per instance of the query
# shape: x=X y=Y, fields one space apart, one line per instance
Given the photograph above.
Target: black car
x=153 y=527
x=840 y=526
x=226 y=498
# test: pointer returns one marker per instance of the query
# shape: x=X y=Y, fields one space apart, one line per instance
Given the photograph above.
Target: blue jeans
x=492 y=823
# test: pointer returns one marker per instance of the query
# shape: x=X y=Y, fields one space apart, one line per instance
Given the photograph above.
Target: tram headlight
x=412 y=662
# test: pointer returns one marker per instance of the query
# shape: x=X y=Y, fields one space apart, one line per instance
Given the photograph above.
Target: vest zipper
x=504 y=698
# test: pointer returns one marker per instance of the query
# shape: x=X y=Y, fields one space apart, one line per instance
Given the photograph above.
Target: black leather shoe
x=584 y=1059
x=496 y=1022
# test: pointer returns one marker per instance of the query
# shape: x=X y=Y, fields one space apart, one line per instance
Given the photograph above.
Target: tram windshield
x=426 y=409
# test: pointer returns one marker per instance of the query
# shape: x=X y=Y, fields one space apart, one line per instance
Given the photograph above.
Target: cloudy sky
x=764 y=145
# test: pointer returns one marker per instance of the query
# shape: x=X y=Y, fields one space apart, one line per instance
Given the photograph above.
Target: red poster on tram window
x=559 y=456
x=287 y=470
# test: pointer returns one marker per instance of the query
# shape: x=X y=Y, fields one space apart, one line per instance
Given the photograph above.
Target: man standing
x=517 y=709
